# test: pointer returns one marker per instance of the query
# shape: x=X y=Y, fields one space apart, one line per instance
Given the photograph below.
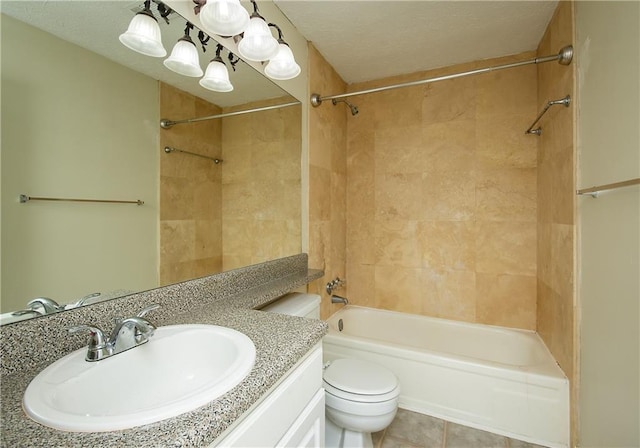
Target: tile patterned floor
x=414 y=430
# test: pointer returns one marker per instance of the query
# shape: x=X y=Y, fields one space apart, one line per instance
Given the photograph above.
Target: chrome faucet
x=40 y=305
x=49 y=305
x=339 y=299
x=128 y=333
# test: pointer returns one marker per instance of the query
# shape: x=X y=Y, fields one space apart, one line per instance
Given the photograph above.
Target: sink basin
x=181 y=368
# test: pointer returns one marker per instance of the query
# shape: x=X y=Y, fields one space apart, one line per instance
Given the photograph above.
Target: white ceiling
x=366 y=40
x=361 y=39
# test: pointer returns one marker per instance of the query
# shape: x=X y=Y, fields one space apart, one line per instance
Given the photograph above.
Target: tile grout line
x=444 y=434
x=380 y=442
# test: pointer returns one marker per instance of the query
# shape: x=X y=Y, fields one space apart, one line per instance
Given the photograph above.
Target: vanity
x=279 y=402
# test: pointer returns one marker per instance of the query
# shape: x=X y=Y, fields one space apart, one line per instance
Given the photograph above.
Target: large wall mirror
x=80 y=120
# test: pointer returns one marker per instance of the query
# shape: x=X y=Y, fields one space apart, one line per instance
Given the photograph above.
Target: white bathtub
x=492 y=378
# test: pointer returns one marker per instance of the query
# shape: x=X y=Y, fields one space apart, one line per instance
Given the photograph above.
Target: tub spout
x=338 y=299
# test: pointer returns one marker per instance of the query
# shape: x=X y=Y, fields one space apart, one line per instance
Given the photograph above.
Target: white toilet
x=361 y=397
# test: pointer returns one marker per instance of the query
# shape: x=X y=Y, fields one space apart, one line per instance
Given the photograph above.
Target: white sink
x=181 y=368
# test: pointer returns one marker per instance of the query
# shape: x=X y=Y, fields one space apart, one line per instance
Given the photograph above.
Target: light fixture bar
x=564 y=57
x=168 y=124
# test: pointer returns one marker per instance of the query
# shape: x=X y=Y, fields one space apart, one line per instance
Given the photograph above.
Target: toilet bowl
x=361 y=397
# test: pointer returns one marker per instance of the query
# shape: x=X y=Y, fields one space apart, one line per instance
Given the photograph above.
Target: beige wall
x=190 y=190
x=556 y=201
x=441 y=196
x=75 y=125
x=327 y=180
x=261 y=188
x=608 y=60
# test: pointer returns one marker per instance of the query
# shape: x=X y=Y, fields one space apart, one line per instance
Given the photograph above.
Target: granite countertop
x=280 y=342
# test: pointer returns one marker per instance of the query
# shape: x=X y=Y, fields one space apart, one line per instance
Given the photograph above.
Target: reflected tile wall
x=190 y=190
x=442 y=196
x=261 y=203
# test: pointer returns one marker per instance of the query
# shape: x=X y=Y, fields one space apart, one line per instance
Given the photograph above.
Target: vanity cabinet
x=291 y=414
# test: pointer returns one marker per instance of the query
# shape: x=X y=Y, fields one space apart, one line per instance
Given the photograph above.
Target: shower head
x=353 y=107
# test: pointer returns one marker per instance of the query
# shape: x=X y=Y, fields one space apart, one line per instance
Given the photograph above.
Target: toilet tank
x=296 y=304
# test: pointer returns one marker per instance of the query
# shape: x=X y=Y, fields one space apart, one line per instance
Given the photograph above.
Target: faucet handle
x=148 y=309
x=81 y=300
x=336 y=283
x=96 y=334
x=97 y=347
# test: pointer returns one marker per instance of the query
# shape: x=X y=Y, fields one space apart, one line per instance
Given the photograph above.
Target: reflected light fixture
x=257 y=44
x=184 y=56
x=143 y=34
x=224 y=17
x=283 y=66
x=216 y=77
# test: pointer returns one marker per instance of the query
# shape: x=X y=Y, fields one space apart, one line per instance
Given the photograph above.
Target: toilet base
x=337 y=437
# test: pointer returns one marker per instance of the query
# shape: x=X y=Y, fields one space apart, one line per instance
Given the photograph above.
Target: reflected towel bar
x=169 y=149
x=25 y=198
x=565 y=101
x=594 y=191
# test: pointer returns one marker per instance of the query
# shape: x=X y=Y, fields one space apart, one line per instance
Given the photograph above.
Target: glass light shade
x=258 y=44
x=283 y=66
x=216 y=77
x=143 y=36
x=224 y=17
x=184 y=59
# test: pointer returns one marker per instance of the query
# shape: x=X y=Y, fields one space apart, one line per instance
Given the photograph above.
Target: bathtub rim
x=546 y=373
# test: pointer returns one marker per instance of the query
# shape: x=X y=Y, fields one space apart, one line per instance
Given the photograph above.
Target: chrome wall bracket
x=538 y=131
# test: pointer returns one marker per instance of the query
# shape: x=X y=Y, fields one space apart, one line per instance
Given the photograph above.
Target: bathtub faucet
x=335 y=284
x=338 y=299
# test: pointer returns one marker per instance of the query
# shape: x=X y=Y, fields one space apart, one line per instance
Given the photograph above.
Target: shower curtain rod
x=165 y=123
x=564 y=57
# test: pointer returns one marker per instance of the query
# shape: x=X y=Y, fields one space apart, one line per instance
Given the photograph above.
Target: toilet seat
x=344 y=395
x=360 y=381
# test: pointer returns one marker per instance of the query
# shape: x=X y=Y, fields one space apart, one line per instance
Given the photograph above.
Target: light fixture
x=184 y=56
x=216 y=77
x=143 y=34
x=283 y=66
x=257 y=44
x=224 y=17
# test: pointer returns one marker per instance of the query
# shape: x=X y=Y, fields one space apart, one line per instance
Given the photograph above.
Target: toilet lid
x=360 y=377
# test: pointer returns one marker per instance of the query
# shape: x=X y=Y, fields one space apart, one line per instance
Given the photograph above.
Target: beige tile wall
x=441 y=196
x=190 y=190
x=327 y=179
x=556 y=314
x=261 y=202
